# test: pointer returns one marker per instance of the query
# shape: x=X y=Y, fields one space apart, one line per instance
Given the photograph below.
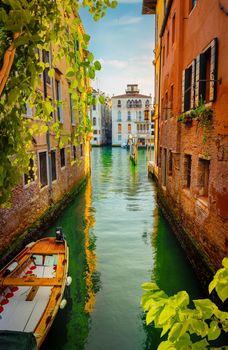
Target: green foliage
x=41 y=25
x=183 y=324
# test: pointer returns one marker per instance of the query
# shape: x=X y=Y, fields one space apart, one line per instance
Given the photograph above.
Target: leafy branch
x=183 y=324
x=28 y=28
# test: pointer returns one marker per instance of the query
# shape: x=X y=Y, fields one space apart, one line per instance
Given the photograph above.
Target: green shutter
x=213 y=70
x=197 y=78
x=193 y=82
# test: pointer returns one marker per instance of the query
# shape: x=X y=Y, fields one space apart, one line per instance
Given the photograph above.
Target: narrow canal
x=118 y=239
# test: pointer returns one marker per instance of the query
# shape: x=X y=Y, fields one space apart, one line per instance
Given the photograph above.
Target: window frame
x=60 y=156
x=39 y=169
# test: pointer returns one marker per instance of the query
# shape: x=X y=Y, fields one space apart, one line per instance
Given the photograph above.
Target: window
x=140 y=104
x=147 y=114
x=43 y=168
x=81 y=150
x=28 y=111
x=76 y=45
x=170 y=163
x=95 y=138
x=119 y=128
x=53 y=165
x=187 y=170
x=30 y=176
x=163 y=56
x=140 y=115
x=46 y=59
x=203 y=179
x=119 y=116
x=129 y=128
x=94 y=107
x=119 y=137
x=62 y=157
x=58 y=89
x=173 y=28
x=164 y=164
x=128 y=104
x=119 y=103
x=166 y=105
x=74 y=153
x=206 y=74
x=128 y=115
x=72 y=115
x=94 y=121
x=171 y=101
x=187 y=82
x=192 y=4
x=167 y=50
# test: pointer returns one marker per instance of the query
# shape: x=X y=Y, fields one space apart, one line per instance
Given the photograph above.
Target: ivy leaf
x=86 y=38
x=90 y=57
x=222 y=291
x=51 y=72
x=205 y=306
x=114 y=4
x=70 y=73
x=225 y=263
x=214 y=331
x=166 y=345
x=150 y=286
x=91 y=73
x=97 y=65
x=167 y=313
x=175 y=331
x=102 y=99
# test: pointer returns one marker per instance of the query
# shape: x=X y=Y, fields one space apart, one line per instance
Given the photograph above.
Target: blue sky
x=123 y=41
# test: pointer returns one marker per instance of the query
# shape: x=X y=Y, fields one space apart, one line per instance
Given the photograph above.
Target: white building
x=131 y=115
x=101 y=120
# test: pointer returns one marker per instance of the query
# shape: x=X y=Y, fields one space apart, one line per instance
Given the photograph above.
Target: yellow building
x=157 y=8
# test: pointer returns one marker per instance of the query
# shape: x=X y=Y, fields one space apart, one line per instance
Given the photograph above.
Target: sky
x=123 y=41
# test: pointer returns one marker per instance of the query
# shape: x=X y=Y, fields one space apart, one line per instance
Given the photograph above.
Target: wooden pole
x=7 y=63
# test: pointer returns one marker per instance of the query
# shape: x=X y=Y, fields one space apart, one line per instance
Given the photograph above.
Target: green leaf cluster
x=42 y=24
x=181 y=323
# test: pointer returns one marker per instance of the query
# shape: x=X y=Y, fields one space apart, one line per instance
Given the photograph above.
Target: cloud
x=118 y=64
x=125 y=20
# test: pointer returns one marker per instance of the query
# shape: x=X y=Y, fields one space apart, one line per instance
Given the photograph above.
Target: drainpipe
x=48 y=139
x=159 y=99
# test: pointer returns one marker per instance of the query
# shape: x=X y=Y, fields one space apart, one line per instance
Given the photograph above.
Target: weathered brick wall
x=205 y=219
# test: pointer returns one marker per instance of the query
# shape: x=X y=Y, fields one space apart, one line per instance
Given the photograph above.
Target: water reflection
x=71 y=327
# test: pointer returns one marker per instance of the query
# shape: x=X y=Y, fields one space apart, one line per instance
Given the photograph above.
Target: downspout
x=159 y=99
x=48 y=139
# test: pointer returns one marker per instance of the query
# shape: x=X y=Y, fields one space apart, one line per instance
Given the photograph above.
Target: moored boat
x=32 y=287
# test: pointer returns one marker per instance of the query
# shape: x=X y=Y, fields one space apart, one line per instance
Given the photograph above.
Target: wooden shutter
x=193 y=82
x=183 y=90
x=202 y=77
x=213 y=70
x=197 y=78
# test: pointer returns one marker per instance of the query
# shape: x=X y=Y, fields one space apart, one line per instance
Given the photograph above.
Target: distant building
x=101 y=120
x=131 y=115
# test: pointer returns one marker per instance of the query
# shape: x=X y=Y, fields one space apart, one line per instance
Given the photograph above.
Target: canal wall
x=35 y=230
x=202 y=265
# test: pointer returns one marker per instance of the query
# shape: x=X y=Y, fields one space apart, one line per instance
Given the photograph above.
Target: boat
x=31 y=292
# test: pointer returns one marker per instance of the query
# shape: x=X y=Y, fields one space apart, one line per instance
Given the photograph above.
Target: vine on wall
x=28 y=27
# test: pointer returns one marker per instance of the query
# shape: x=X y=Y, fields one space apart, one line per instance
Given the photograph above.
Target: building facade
x=131 y=115
x=192 y=142
x=57 y=164
x=101 y=120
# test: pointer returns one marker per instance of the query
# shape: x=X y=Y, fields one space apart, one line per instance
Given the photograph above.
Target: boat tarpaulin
x=11 y=340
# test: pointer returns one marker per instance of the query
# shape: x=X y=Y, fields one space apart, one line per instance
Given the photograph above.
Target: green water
x=118 y=239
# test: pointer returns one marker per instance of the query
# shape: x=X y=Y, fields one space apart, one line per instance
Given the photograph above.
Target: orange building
x=192 y=143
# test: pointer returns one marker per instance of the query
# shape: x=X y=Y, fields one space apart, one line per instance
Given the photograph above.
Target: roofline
x=149 y=7
x=168 y=8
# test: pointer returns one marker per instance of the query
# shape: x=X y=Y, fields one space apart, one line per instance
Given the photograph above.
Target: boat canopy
x=12 y=340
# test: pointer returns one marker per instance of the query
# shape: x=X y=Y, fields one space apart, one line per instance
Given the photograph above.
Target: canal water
x=118 y=239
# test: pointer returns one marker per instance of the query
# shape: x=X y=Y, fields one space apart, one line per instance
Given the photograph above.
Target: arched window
x=119 y=116
x=94 y=121
x=129 y=128
x=119 y=128
x=140 y=104
x=129 y=115
x=147 y=103
x=119 y=103
x=140 y=115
